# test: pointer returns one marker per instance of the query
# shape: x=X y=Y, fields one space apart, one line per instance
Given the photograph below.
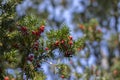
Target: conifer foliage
x=25 y=43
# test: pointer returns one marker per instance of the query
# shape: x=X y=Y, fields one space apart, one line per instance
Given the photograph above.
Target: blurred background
x=102 y=55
